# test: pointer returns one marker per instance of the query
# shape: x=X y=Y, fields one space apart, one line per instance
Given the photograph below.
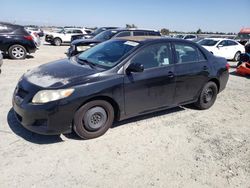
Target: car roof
x=140 y=38
x=145 y=39
x=10 y=24
x=216 y=38
x=133 y=29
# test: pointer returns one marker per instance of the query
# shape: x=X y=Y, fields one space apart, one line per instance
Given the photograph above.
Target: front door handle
x=205 y=68
x=170 y=74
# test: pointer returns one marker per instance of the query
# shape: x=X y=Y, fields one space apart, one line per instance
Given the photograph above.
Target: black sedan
x=15 y=41
x=115 y=80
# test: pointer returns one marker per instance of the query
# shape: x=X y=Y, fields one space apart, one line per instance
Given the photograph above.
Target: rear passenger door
x=191 y=71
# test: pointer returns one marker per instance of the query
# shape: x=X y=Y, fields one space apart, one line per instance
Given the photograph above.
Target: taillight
x=227 y=66
x=28 y=37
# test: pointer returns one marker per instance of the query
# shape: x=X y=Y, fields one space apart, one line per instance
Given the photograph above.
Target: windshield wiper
x=86 y=61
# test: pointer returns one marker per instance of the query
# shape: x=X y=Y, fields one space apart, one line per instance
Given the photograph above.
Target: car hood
x=85 y=41
x=59 y=73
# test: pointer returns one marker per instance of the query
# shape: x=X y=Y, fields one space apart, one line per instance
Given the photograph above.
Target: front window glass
x=107 y=54
x=208 y=42
x=155 y=55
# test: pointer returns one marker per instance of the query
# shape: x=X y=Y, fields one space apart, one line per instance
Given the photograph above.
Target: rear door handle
x=170 y=74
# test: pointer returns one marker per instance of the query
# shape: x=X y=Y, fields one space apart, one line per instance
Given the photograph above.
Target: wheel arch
x=216 y=81
x=107 y=99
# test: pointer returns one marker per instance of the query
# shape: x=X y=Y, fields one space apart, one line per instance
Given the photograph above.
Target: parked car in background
x=37 y=30
x=116 y=80
x=227 y=48
x=1 y=61
x=91 y=35
x=81 y=45
x=35 y=36
x=64 y=36
x=243 y=36
x=186 y=36
x=15 y=41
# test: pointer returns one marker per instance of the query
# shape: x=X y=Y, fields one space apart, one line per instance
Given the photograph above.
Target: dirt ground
x=181 y=147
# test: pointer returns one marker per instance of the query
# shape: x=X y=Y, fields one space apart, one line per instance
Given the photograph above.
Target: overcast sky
x=181 y=15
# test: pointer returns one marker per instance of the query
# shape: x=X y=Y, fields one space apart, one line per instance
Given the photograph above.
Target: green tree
x=165 y=31
x=131 y=26
x=199 y=31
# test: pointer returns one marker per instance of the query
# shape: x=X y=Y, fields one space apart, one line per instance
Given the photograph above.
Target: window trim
x=196 y=49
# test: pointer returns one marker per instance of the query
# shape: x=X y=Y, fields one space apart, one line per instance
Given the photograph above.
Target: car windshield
x=208 y=42
x=99 y=30
x=61 y=31
x=179 y=36
x=107 y=54
x=105 y=35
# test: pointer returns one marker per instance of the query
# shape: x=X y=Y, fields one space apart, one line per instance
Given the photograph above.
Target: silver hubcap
x=18 y=52
x=95 y=118
x=57 y=42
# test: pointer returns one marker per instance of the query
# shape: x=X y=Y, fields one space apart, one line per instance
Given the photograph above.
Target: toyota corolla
x=116 y=80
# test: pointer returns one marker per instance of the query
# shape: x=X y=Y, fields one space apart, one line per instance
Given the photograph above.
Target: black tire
x=237 y=56
x=17 y=52
x=93 y=119
x=207 y=96
x=57 y=42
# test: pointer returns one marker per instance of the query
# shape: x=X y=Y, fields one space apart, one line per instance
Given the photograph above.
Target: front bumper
x=52 y=118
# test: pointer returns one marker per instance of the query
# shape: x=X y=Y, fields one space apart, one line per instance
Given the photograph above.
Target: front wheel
x=93 y=119
x=57 y=42
x=207 y=96
x=237 y=56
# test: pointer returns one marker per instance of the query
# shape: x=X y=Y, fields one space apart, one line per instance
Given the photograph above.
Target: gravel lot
x=181 y=147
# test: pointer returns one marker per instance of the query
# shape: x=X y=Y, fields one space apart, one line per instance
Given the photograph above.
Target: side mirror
x=219 y=46
x=135 y=67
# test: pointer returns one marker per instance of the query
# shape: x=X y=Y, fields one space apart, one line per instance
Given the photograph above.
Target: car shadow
x=148 y=116
x=117 y=124
x=234 y=73
x=27 y=57
x=27 y=135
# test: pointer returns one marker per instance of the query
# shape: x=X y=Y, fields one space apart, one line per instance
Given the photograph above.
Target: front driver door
x=154 y=87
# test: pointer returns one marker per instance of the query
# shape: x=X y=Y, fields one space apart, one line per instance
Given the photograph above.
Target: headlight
x=82 y=48
x=45 y=96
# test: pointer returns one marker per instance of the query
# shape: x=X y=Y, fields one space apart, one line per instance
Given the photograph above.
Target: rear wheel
x=17 y=52
x=93 y=119
x=207 y=96
x=237 y=56
x=57 y=41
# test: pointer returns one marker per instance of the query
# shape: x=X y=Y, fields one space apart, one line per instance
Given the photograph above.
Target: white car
x=64 y=36
x=227 y=48
x=186 y=36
